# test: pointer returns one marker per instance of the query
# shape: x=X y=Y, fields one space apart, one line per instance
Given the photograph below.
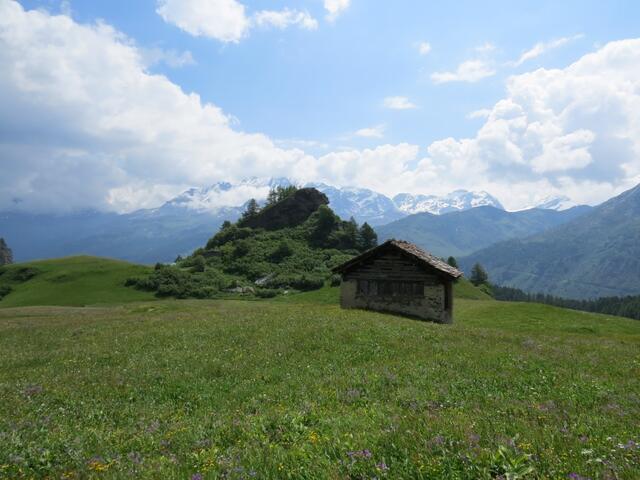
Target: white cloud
x=224 y=20
x=424 y=48
x=335 y=8
x=371 y=132
x=83 y=124
x=470 y=71
x=543 y=47
x=227 y=20
x=171 y=58
x=574 y=131
x=485 y=48
x=284 y=18
x=398 y=103
x=376 y=168
x=482 y=113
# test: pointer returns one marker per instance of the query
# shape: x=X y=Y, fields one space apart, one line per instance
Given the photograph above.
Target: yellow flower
x=314 y=437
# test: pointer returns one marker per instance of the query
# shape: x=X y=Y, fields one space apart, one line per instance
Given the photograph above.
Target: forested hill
x=595 y=255
x=291 y=243
x=462 y=233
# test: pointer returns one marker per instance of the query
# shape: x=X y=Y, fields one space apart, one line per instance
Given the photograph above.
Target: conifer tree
x=479 y=275
x=252 y=209
x=368 y=237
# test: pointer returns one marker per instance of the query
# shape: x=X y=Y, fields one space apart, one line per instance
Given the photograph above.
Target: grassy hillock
x=263 y=254
x=295 y=387
x=74 y=281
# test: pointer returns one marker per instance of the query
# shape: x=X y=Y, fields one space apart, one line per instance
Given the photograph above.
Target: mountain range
x=594 y=255
x=188 y=220
x=464 y=232
x=454 y=224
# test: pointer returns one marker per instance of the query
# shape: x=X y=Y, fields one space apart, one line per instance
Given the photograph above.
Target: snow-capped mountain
x=360 y=203
x=455 y=201
x=558 y=203
x=223 y=195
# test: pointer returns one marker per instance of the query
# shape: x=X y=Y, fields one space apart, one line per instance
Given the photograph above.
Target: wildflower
x=382 y=467
x=31 y=390
x=135 y=457
x=98 y=464
x=197 y=476
x=575 y=476
x=153 y=427
x=359 y=454
x=314 y=437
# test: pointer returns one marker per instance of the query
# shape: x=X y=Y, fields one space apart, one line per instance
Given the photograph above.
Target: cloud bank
x=83 y=124
x=227 y=20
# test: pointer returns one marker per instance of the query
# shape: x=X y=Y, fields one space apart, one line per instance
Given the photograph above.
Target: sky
x=118 y=105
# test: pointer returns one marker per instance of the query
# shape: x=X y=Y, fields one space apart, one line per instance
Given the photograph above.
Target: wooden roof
x=410 y=250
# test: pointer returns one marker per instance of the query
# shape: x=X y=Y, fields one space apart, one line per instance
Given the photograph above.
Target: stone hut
x=399 y=277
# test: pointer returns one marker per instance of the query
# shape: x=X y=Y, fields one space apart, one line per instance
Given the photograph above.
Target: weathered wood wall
x=392 y=266
x=434 y=302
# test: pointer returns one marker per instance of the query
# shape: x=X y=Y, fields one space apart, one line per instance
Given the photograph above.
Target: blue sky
x=325 y=84
x=326 y=89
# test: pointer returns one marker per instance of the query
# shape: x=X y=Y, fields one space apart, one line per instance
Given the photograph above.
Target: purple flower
x=575 y=476
x=382 y=466
x=197 y=476
x=630 y=445
x=32 y=390
x=360 y=454
x=135 y=457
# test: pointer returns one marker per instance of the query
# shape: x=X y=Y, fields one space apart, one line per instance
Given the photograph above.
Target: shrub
x=23 y=274
x=199 y=264
x=228 y=234
x=282 y=251
x=267 y=293
x=304 y=281
x=241 y=249
x=4 y=291
x=335 y=281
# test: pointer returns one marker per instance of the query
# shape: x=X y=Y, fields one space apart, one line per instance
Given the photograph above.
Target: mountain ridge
x=462 y=233
x=592 y=256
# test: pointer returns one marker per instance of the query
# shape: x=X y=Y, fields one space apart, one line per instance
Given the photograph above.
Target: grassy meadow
x=71 y=281
x=296 y=388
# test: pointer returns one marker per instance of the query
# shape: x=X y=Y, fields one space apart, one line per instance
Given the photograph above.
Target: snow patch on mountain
x=558 y=203
x=363 y=204
x=222 y=195
x=455 y=201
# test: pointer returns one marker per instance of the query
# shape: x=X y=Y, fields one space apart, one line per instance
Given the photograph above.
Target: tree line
x=626 y=306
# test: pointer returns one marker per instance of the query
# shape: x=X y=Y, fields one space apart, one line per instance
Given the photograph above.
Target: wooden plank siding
x=392 y=266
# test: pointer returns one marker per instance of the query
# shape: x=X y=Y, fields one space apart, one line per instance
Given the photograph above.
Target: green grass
x=73 y=281
x=298 y=388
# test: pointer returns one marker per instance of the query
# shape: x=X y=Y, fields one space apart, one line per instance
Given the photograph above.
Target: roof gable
x=408 y=249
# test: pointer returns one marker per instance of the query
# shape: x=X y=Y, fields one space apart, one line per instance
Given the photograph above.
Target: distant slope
x=72 y=281
x=145 y=236
x=595 y=255
x=461 y=233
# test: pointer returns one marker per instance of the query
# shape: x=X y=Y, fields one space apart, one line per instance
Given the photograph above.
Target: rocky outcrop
x=6 y=257
x=289 y=212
